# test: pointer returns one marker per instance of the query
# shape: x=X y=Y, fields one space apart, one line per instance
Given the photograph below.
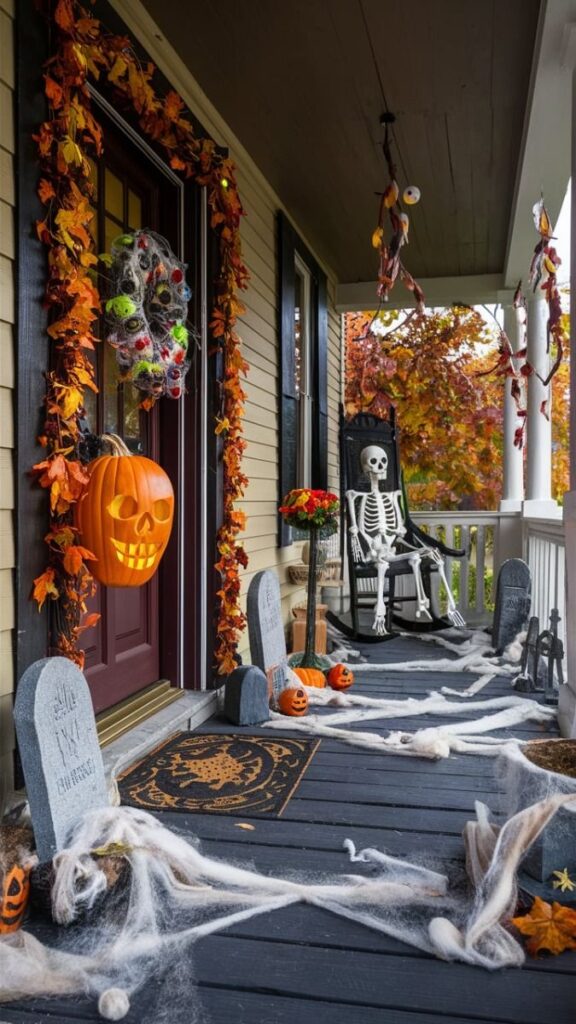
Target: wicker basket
x=327 y=573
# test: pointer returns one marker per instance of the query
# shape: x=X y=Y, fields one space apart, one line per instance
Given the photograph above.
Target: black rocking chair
x=355 y=435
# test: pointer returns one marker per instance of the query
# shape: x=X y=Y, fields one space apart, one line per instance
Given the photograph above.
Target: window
x=303 y=354
x=303 y=382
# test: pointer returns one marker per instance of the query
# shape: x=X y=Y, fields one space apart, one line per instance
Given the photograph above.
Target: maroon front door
x=123 y=653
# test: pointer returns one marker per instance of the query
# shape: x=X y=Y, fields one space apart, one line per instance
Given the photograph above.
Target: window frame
x=291 y=249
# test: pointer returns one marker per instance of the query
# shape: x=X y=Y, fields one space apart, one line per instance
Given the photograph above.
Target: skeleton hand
x=355 y=544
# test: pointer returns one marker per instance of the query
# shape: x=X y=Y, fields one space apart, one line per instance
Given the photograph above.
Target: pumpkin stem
x=115 y=443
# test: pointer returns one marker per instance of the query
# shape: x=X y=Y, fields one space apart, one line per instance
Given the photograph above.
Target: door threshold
x=127 y=714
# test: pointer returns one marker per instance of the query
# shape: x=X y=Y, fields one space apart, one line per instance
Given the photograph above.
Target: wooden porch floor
x=303 y=964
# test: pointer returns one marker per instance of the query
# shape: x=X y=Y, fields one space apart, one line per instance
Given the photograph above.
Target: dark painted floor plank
x=408 y=819
x=314 y=926
x=303 y=964
x=225 y=1006
x=386 y=981
x=391 y=795
x=304 y=835
x=319 y=771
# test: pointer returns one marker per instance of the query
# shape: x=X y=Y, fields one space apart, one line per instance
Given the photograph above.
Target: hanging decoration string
x=84 y=51
x=515 y=365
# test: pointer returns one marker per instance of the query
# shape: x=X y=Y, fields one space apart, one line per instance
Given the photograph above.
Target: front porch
x=304 y=963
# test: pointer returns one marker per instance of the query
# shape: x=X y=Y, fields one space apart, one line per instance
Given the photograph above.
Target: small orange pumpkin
x=15 y=893
x=125 y=516
x=340 y=677
x=311 y=676
x=293 y=701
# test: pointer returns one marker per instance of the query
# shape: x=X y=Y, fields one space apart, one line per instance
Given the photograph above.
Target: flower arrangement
x=307 y=509
x=317 y=512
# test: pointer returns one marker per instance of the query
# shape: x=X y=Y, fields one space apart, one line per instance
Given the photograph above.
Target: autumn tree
x=450 y=418
x=432 y=368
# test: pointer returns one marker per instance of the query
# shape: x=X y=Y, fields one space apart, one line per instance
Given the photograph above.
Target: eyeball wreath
x=146 y=314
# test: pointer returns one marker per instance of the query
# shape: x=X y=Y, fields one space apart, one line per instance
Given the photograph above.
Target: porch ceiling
x=303 y=84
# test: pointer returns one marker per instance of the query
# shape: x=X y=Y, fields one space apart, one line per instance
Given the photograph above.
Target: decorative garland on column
x=84 y=51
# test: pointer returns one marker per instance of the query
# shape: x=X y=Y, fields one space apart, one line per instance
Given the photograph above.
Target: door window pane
x=134 y=211
x=114 y=193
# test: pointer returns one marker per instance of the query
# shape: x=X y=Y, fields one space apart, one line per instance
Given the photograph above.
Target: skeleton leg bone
x=422 y=602
x=379 y=625
x=452 y=613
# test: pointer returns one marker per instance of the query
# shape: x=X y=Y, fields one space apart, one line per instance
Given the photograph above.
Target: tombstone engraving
x=512 y=606
x=59 y=748
x=246 y=697
x=266 y=630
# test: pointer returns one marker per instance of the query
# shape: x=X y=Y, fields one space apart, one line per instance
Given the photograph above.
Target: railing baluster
x=480 y=567
x=464 y=603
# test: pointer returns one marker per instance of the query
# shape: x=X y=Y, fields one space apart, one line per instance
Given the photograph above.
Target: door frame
x=189 y=649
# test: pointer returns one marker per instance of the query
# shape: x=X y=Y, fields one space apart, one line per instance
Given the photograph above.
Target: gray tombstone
x=59 y=748
x=266 y=630
x=512 y=606
x=246 y=700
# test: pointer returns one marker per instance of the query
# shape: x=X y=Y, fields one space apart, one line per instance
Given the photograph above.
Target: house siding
x=258 y=327
x=7 y=316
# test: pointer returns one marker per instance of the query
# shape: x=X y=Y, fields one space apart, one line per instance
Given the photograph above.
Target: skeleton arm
x=400 y=528
x=353 y=531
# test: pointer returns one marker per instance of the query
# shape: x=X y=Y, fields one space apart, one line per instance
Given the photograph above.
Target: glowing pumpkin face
x=125 y=518
x=293 y=701
x=340 y=677
x=15 y=893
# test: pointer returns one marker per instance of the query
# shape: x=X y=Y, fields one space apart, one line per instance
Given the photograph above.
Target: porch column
x=567 y=702
x=513 y=457
x=538 y=501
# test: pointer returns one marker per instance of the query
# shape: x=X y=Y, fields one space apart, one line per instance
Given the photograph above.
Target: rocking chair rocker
x=381 y=541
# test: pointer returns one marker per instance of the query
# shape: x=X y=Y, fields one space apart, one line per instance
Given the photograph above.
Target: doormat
x=218 y=774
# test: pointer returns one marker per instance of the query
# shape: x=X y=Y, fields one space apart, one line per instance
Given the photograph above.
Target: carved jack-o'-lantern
x=293 y=701
x=15 y=893
x=340 y=677
x=125 y=517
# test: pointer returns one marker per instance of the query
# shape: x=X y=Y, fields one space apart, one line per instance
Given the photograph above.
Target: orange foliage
x=549 y=925
x=450 y=420
x=84 y=50
x=561 y=424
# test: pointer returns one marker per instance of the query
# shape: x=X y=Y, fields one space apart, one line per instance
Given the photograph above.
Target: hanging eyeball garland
x=146 y=314
x=391 y=266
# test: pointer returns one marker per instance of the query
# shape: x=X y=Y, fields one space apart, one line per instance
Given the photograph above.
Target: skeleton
x=377 y=528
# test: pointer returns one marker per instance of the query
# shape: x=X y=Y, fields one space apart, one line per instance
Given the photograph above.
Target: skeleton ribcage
x=378 y=515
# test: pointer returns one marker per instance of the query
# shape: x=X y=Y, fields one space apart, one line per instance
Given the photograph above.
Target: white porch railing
x=488 y=538
x=472 y=577
x=544 y=550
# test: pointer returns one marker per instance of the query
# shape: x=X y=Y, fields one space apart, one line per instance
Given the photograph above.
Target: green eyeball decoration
x=146 y=314
x=121 y=306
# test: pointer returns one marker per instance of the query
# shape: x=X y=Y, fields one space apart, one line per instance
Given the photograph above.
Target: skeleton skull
x=374 y=462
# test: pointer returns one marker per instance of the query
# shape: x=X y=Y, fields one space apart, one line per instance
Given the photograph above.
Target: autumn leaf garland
x=84 y=51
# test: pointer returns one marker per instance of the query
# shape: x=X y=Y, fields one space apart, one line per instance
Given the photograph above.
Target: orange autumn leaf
x=54 y=92
x=89 y=621
x=64 y=15
x=177 y=164
x=44 y=587
x=46 y=190
x=73 y=558
x=549 y=925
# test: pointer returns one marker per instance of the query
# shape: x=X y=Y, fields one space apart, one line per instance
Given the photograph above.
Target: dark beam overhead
x=303 y=83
